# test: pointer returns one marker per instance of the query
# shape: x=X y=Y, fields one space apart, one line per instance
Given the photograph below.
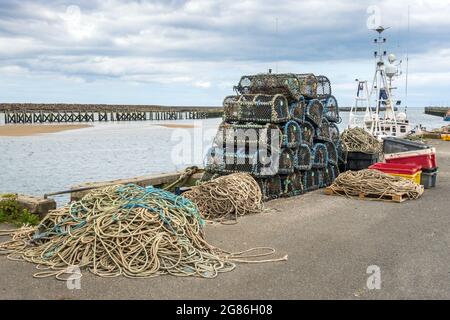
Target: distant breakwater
x=437 y=111
x=20 y=113
x=54 y=107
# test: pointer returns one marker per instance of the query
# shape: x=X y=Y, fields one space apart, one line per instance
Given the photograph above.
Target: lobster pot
x=214 y=160
x=314 y=112
x=259 y=163
x=271 y=188
x=292 y=184
x=319 y=176
x=327 y=176
x=252 y=136
x=323 y=87
x=288 y=85
x=332 y=153
x=308 y=85
x=308 y=133
x=323 y=132
x=320 y=156
x=292 y=135
x=286 y=161
x=297 y=110
x=231 y=108
x=342 y=152
x=331 y=109
x=303 y=158
x=263 y=108
x=313 y=179
x=334 y=172
x=334 y=133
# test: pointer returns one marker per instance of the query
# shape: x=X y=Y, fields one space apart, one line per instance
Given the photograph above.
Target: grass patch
x=11 y=212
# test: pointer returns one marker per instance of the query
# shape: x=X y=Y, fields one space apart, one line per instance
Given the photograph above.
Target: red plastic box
x=425 y=159
x=396 y=168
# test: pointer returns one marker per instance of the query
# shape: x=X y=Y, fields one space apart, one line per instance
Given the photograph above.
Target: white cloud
x=201 y=44
x=202 y=84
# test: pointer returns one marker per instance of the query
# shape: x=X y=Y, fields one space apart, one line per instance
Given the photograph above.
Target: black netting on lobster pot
x=292 y=134
x=314 y=112
x=342 y=152
x=332 y=153
x=297 y=183
x=268 y=83
x=270 y=136
x=320 y=156
x=334 y=133
x=280 y=108
x=214 y=160
x=292 y=184
x=334 y=172
x=308 y=84
x=303 y=160
x=259 y=163
x=297 y=110
x=264 y=108
x=266 y=163
x=231 y=108
x=247 y=110
x=286 y=161
x=308 y=133
x=312 y=179
x=250 y=135
x=323 y=87
x=243 y=162
x=323 y=132
x=318 y=177
x=331 y=109
x=271 y=188
x=327 y=176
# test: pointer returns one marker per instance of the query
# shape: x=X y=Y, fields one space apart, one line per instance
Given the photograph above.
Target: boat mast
x=382 y=90
x=407 y=62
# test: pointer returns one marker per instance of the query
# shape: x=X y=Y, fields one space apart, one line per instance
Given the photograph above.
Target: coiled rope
x=125 y=230
x=374 y=182
x=232 y=195
x=359 y=140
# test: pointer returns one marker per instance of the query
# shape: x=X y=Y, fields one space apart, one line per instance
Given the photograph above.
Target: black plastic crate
x=395 y=145
x=360 y=160
x=362 y=156
x=428 y=178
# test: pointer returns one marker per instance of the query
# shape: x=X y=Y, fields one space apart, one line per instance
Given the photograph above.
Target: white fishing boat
x=380 y=116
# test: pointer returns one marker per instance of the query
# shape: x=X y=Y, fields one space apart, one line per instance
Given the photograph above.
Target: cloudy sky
x=180 y=52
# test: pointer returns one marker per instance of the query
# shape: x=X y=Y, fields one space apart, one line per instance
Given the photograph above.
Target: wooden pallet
x=367 y=196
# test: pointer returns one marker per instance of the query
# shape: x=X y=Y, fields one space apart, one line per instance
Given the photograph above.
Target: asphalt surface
x=330 y=240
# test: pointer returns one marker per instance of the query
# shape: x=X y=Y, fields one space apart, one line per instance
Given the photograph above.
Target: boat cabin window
x=402 y=129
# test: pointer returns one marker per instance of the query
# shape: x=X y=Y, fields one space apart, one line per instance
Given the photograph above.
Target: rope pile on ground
x=359 y=140
x=375 y=182
x=125 y=230
x=232 y=195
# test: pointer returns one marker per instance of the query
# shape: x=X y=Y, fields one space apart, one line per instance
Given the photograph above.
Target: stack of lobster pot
x=281 y=128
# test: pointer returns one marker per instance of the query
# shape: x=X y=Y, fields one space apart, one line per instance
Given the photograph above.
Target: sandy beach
x=31 y=130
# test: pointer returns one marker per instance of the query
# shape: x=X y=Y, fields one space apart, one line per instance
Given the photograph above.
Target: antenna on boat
x=407 y=63
x=276 y=34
